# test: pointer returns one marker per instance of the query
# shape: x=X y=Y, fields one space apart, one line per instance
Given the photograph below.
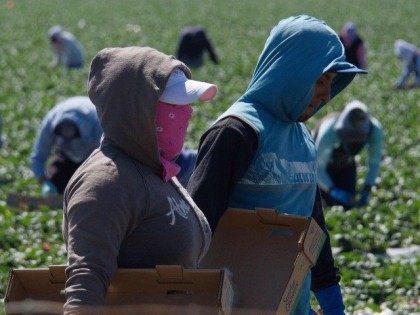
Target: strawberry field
x=372 y=278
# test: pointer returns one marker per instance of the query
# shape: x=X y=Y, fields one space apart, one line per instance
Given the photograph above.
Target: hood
x=55 y=32
x=125 y=85
x=354 y=123
x=297 y=52
x=404 y=50
x=78 y=110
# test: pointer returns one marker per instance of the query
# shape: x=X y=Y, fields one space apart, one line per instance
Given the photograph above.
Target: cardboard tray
x=269 y=255
x=165 y=290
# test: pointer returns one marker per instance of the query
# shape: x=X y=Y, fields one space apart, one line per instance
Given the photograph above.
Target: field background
x=28 y=89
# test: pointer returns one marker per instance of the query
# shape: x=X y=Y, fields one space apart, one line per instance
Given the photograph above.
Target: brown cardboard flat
x=268 y=254
x=165 y=290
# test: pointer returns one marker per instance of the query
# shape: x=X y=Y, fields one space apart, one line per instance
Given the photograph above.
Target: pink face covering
x=171 y=128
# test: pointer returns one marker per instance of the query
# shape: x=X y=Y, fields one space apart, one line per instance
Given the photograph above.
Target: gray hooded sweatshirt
x=118 y=212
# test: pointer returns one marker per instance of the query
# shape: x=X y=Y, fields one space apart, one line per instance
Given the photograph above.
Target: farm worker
x=260 y=154
x=193 y=42
x=353 y=45
x=339 y=138
x=67 y=136
x=67 y=50
x=128 y=187
x=410 y=56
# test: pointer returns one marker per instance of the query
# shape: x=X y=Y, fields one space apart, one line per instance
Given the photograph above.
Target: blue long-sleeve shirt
x=82 y=112
x=328 y=139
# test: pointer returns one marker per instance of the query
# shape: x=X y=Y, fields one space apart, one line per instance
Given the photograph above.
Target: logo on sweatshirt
x=178 y=206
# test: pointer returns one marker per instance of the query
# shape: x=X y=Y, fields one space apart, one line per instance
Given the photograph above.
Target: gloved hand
x=342 y=196
x=330 y=300
x=364 y=197
x=48 y=188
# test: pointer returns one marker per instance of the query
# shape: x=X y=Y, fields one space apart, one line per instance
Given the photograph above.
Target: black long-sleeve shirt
x=225 y=153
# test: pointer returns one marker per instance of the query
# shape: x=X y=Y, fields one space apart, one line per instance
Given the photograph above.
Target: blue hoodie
x=82 y=113
x=69 y=52
x=283 y=174
x=335 y=131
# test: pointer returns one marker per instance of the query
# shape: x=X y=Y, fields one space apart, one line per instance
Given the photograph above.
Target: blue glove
x=330 y=300
x=48 y=189
x=342 y=196
x=364 y=198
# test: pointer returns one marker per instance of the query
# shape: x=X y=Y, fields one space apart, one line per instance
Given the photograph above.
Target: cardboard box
x=268 y=254
x=163 y=290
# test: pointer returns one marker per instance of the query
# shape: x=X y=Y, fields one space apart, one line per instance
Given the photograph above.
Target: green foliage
x=238 y=28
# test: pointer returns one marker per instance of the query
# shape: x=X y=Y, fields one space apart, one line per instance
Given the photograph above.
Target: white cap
x=180 y=90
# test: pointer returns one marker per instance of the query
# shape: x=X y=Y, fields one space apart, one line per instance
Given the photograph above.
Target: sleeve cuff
x=330 y=300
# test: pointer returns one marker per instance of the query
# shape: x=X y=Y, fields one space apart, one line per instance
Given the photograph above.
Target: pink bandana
x=171 y=128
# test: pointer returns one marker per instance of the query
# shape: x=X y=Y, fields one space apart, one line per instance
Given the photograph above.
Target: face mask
x=171 y=128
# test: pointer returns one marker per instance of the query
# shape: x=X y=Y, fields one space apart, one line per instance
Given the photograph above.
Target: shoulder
x=99 y=170
x=230 y=133
x=230 y=136
x=67 y=36
x=108 y=167
x=234 y=127
x=106 y=180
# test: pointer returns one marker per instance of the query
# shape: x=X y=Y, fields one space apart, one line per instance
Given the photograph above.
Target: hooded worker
x=340 y=137
x=354 y=45
x=67 y=49
x=409 y=54
x=124 y=206
x=260 y=154
x=66 y=137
